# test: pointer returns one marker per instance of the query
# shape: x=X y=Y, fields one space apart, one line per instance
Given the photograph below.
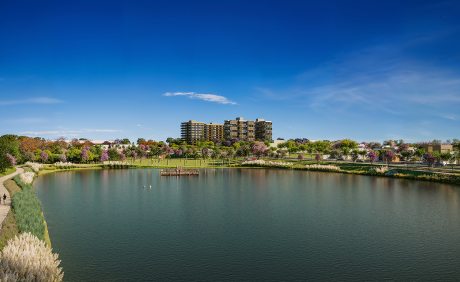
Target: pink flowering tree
x=85 y=154
x=44 y=156
x=389 y=155
x=104 y=156
x=372 y=156
x=259 y=149
x=122 y=156
x=11 y=159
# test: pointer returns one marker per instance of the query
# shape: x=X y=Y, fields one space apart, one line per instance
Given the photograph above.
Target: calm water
x=250 y=225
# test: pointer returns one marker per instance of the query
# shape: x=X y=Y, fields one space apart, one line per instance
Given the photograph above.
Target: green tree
x=407 y=154
x=8 y=145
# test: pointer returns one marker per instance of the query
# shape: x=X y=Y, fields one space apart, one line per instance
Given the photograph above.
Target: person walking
x=4 y=198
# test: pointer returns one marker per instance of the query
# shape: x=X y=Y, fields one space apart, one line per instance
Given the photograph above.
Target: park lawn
x=8 y=171
x=49 y=168
x=182 y=162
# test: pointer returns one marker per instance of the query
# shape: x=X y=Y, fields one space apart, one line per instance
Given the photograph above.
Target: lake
x=250 y=224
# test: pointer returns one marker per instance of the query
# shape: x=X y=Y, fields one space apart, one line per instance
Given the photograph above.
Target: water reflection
x=250 y=224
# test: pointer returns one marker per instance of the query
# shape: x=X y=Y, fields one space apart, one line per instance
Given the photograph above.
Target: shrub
x=115 y=164
x=379 y=170
x=265 y=163
x=27 y=177
x=34 y=166
x=64 y=165
x=322 y=167
x=26 y=258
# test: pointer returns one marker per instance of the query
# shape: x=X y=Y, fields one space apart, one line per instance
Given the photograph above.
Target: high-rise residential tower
x=193 y=131
x=240 y=129
x=263 y=130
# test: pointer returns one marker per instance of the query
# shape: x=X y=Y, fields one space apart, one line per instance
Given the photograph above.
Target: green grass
x=8 y=171
x=9 y=229
x=191 y=163
x=9 y=226
x=12 y=187
x=28 y=211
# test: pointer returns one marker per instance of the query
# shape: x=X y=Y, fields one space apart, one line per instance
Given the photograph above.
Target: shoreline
x=12 y=214
x=396 y=173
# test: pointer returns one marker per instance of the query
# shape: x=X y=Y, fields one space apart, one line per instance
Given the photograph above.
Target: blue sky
x=322 y=70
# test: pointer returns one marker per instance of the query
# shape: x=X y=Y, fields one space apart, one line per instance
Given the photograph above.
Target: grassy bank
x=423 y=173
x=25 y=214
x=372 y=170
x=8 y=171
x=50 y=169
x=186 y=163
x=9 y=229
x=9 y=226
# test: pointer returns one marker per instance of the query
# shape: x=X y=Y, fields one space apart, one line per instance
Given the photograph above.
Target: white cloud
x=37 y=100
x=68 y=132
x=204 y=97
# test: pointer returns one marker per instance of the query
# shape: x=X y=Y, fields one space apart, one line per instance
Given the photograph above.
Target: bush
x=319 y=167
x=26 y=258
x=64 y=165
x=258 y=163
x=28 y=212
x=379 y=170
x=27 y=177
x=34 y=166
x=115 y=164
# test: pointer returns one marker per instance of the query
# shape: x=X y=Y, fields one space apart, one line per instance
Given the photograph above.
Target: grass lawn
x=12 y=187
x=196 y=163
x=9 y=227
x=8 y=171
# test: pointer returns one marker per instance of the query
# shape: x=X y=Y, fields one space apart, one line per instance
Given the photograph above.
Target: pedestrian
x=4 y=198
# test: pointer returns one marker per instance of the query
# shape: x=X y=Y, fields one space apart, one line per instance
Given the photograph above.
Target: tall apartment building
x=193 y=131
x=439 y=148
x=263 y=130
x=248 y=130
x=214 y=132
x=240 y=129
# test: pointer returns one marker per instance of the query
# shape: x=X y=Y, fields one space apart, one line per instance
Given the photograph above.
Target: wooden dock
x=179 y=172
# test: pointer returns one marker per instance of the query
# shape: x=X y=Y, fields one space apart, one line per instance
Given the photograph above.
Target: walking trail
x=5 y=207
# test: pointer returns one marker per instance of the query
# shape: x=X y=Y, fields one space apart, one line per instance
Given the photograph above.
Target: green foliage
x=9 y=229
x=74 y=155
x=9 y=144
x=28 y=211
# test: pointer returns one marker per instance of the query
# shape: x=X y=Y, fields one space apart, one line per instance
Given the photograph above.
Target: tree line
x=19 y=149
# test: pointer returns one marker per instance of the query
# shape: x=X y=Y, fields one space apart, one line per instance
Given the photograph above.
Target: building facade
x=240 y=129
x=214 y=132
x=263 y=130
x=245 y=130
x=439 y=148
x=193 y=131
